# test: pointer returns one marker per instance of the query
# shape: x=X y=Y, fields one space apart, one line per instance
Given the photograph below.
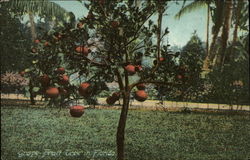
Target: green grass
x=38 y=133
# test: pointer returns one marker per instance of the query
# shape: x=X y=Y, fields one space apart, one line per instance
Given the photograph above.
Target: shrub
x=12 y=82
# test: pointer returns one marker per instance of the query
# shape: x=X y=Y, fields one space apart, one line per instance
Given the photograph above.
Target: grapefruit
x=141 y=95
x=76 y=111
x=52 y=92
x=130 y=69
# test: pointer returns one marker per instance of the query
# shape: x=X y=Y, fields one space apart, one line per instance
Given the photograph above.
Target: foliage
x=181 y=136
x=116 y=42
x=14 y=41
x=221 y=19
x=190 y=7
x=42 y=8
x=231 y=85
x=10 y=82
x=116 y=34
x=192 y=57
x=242 y=19
x=16 y=46
x=188 y=70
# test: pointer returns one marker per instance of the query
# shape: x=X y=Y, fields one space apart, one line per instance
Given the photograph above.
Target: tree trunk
x=208 y=18
x=216 y=29
x=225 y=34
x=121 y=127
x=33 y=37
x=205 y=63
x=32 y=26
x=238 y=10
x=32 y=96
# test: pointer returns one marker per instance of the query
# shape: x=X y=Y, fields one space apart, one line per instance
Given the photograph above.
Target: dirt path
x=155 y=104
x=173 y=104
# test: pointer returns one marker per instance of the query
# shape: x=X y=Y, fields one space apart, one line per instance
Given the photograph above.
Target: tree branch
x=137 y=48
x=135 y=37
x=103 y=10
x=160 y=11
x=126 y=72
x=121 y=86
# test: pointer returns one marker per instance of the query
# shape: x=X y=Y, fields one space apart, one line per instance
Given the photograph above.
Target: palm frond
x=190 y=7
x=40 y=7
x=79 y=1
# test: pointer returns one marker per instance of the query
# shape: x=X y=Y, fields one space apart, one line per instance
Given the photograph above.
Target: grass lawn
x=43 y=133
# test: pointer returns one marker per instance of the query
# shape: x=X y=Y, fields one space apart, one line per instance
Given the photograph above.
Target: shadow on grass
x=19 y=103
x=212 y=112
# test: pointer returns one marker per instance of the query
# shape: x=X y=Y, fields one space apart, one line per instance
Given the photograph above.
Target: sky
x=180 y=30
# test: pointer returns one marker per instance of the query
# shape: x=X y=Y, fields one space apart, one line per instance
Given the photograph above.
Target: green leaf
x=166 y=30
x=86 y=5
x=36 y=89
x=27 y=70
x=57 y=85
x=27 y=94
x=53 y=18
x=26 y=88
x=60 y=54
x=35 y=61
x=60 y=24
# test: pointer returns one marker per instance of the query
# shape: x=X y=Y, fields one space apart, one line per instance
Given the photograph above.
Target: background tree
x=36 y=7
x=217 y=18
x=14 y=42
x=191 y=59
x=42 y=8
x=225 y=32
x=188 y=70
x=223 y=16
x=224 y=13
x=231 y=85
x=238 y=5
x=198 y=4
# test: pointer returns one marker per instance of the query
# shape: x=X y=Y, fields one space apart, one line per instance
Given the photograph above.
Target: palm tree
x=38 y=7
x=192 y=7
x=237 y=19
x=225 y=15
x=222 y=20
x=222 y=17
x=218 y=22
x=225 y=32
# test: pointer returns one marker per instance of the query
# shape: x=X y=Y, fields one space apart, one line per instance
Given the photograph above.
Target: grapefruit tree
x=118 y=41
